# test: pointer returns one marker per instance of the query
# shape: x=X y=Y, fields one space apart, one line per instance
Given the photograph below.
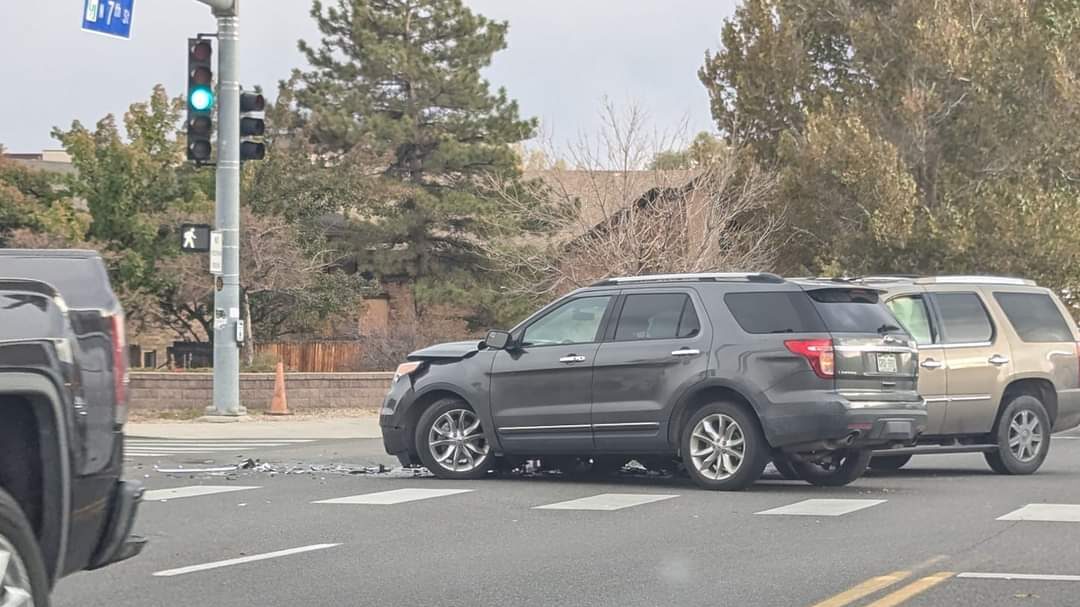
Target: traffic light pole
x=227 y=405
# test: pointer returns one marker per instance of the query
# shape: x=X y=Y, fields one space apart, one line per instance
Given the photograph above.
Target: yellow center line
x=866 y=588
x=907 y=592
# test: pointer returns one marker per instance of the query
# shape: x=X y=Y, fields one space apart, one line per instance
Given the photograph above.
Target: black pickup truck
x=63 y=377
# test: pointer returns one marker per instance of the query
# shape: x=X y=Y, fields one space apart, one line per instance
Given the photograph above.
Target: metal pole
x=227 y=298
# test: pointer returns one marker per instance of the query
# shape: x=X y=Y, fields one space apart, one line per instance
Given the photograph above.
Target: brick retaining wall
x=304 y=390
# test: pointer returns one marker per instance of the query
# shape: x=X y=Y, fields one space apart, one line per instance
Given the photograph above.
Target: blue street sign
x=109 y=17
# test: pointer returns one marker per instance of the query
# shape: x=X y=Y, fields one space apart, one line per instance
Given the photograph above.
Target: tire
x=460 y=450
x=1022 y=435
x=889 y=462
x=711 y=463
x=25 y=570
x=848 y=465
x=785 y=468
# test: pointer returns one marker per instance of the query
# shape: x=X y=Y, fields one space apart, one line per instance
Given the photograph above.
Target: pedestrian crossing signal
x=194 y=238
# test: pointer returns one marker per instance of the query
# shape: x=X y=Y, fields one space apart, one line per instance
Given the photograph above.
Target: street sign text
x=109 y=17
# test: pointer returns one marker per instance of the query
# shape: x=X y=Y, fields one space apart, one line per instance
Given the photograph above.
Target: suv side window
x=1034 y=316
x=575 y=322
x=914 y=316
x=963 y=318
x=657 y=316
x=774 y=312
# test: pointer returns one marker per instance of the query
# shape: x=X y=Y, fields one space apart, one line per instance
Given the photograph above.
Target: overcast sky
x=563 y=57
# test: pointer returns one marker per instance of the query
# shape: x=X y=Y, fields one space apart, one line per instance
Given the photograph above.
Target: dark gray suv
x=722 y=372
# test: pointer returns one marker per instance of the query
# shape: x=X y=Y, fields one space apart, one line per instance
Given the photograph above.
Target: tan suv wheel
x=1022 y=435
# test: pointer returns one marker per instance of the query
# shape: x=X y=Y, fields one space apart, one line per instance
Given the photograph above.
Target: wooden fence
x=315 y=357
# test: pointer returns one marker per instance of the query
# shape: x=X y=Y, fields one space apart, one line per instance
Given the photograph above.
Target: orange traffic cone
x=279 y=405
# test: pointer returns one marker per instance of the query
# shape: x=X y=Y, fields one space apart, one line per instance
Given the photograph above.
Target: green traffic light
x=201 y=98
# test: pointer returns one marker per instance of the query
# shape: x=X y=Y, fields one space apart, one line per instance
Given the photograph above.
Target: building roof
x=603 y=194
x=49 y=166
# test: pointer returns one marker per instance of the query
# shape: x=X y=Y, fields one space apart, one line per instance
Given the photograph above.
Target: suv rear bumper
x=838 y=423
x=117 y=543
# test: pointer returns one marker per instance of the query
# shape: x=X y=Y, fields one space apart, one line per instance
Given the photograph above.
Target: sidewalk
x=260 y=426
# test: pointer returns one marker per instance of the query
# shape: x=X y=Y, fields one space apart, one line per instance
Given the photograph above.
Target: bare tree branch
x=614 y=217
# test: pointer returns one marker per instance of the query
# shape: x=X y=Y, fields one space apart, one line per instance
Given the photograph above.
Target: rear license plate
x=886 y=363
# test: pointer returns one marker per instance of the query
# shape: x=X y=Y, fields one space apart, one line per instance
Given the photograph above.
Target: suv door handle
x=932 y=364
x=686 y=352
x=572 y=358
x=997 y=359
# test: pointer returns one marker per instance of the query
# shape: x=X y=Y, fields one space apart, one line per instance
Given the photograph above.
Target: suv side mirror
x=497 y=339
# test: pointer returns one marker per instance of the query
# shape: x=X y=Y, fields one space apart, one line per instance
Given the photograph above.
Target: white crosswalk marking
x=1050 y=513
x=241 y=560
x=397 y=496
x=191 y=491
x=823 y=507
x=155 y=447
x=607 y=501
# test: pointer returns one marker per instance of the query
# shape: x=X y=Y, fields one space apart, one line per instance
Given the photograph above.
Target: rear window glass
x=963 y=318
x=852 y=311
x=81 y=281
x=27 y=316
x=774 y=312
x=1034 y=316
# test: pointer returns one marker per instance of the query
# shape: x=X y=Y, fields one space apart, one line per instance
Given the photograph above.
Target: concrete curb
x=261 y=427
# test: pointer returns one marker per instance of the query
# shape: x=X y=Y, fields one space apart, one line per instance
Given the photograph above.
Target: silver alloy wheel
x=1025 y=435
x=717 y=446
x=456 y=441
x=15 y=590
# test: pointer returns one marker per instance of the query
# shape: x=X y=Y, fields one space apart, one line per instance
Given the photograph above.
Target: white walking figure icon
x=189 y=238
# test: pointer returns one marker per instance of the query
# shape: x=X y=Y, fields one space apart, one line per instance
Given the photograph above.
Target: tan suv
x=999 y=362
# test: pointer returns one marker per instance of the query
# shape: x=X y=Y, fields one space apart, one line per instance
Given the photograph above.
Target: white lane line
x=243 y=559
x=607 y=501
x=177 y=444
x=1050 y=513
x=397 y=496
x=1019 y=576
x=823 y=507
x=223 y=441
x=126 y=454
x=238 y=441
x=192 y=491
x=160 y=448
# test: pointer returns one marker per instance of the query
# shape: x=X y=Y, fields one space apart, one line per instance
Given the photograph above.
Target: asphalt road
x=918 y=540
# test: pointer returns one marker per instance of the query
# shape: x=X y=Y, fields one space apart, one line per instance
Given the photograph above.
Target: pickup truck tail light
x=818 y=352
x=120 y=366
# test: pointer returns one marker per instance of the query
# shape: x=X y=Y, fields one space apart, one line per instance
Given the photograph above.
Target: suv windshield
x=852 y=311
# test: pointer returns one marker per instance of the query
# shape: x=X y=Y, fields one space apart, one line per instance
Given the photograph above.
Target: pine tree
x=395 y=91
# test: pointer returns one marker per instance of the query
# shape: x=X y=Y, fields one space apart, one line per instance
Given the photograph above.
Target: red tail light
x=120 y=366
x=1078 y=353
x=818 y=352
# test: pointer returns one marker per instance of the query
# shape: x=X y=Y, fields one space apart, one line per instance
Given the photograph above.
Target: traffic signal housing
x=200 y=100
x=252 y=126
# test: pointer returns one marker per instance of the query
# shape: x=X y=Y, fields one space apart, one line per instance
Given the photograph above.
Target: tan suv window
x=1034 y=316
x=963 y=318
x=913 y=316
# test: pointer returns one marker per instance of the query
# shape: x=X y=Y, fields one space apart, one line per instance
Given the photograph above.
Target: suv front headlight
x=405 y=369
